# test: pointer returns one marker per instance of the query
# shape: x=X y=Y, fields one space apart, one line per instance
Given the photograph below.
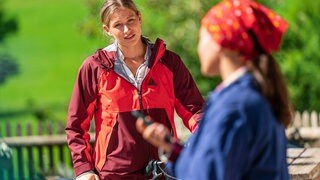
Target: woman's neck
x=134 y=52
x=230 y=62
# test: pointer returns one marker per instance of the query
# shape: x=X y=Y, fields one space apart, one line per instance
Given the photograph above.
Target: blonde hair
x=110 y=6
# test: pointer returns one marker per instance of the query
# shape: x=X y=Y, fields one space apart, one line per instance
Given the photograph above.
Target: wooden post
x=50 y=148
x=297 y=121
x=30 y=155
x=40 y=155
x=314 y=119
x=21 y=173
x=305 y=119
x=60 y=130
x=10 y=171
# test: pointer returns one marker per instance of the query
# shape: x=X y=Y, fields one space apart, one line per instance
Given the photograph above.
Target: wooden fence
x=37 y=152
x=41 y=150
x=305 y=128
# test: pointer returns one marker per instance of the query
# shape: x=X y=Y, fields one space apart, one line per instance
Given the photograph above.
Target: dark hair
x=268 y=75
x=109 y=6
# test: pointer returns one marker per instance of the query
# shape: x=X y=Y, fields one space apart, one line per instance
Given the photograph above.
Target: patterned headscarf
x=242 y=24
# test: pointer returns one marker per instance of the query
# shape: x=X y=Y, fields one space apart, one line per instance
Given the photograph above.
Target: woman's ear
x=106 y=30
x=140 y=18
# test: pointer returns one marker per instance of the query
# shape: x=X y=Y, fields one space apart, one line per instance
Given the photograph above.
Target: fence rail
x=305 y=126
x=40 y=150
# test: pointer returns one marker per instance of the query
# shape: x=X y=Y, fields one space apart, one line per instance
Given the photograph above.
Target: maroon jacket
x=119 y=150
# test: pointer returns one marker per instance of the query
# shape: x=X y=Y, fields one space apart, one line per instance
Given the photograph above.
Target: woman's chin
x=209 y=72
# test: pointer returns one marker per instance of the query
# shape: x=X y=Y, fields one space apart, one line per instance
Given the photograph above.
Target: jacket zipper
x=140 y=97
x=140 y=91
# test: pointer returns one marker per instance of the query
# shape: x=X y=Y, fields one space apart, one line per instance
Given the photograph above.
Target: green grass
x=49 y=49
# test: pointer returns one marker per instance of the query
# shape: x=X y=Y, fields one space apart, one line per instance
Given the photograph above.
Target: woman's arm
x=81 y=110
x=188 y=100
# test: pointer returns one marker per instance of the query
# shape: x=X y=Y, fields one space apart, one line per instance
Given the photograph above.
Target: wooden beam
x=25 y=141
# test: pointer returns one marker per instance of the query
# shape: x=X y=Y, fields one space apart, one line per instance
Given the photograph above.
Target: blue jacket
x=238 y=138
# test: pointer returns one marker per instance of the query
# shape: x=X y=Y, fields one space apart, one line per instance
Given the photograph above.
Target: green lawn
x=49 y=49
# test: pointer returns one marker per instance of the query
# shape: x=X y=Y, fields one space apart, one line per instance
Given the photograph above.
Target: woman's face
x=208 y=51
x=125 y=27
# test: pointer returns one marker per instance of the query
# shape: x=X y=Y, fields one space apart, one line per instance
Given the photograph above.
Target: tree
x=300 y=55
x=178 y=22
x=8 y=66
x=90 y=25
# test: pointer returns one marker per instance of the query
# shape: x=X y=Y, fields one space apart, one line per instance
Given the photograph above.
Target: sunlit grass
x=49 y=50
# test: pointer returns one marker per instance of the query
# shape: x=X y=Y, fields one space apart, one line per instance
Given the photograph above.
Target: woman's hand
x=88 y=176
x=155 y=133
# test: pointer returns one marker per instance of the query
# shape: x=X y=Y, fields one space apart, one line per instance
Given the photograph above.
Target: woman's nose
x=125 y=28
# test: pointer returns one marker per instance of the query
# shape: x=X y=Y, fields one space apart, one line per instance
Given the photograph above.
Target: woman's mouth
x=129 y=37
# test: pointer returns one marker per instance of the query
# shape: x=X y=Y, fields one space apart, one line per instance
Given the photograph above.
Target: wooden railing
x=305 y=128
x=40 y=150
x=37 y=152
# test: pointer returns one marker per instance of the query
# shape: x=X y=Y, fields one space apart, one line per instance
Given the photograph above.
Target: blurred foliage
x=90 y=26
x=7 y=25
x=178 y=21
x=8 y=65
x=300 y=55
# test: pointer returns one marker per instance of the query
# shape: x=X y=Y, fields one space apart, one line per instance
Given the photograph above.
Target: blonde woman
x=130 y=74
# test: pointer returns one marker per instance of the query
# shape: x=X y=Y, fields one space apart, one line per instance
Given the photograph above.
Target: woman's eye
x=117 y=25
x=131 y=21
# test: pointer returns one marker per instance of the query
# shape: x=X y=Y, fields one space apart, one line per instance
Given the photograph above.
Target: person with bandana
x=242 y=132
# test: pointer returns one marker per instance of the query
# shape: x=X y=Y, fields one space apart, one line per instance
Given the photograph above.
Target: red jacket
x=99 y=92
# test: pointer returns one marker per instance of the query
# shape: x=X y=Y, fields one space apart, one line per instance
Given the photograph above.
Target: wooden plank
x=41 y=162
x=21 y=173
x=51 y=161
x=305 y=119
x=297 y=121
x=37 y=140
x=30 y=155
x=293 y=153
x=306 y=165
x=307 y=133
x=314 y=119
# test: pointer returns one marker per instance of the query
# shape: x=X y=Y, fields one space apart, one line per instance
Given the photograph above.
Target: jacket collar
x=107 y=59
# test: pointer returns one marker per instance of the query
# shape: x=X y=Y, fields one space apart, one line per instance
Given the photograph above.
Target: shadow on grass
x=8 y=67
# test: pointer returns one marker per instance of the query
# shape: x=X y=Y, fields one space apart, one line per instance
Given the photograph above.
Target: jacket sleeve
x=80 y=113
x=188 y=100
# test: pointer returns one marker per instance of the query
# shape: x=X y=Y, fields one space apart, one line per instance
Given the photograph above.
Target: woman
x=130 y=74
x=242 y=133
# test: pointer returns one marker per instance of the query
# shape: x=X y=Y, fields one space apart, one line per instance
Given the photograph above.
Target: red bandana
x=235 y=23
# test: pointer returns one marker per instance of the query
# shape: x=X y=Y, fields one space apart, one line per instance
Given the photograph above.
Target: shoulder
x=170 y=56
x=241 y=97
x=173 y=61
x=167 y=56
x=246 y=98
x=102 y=58
x=244 y=92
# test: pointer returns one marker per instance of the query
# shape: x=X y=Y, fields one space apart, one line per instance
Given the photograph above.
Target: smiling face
x=125 y=27
x=209 y=54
